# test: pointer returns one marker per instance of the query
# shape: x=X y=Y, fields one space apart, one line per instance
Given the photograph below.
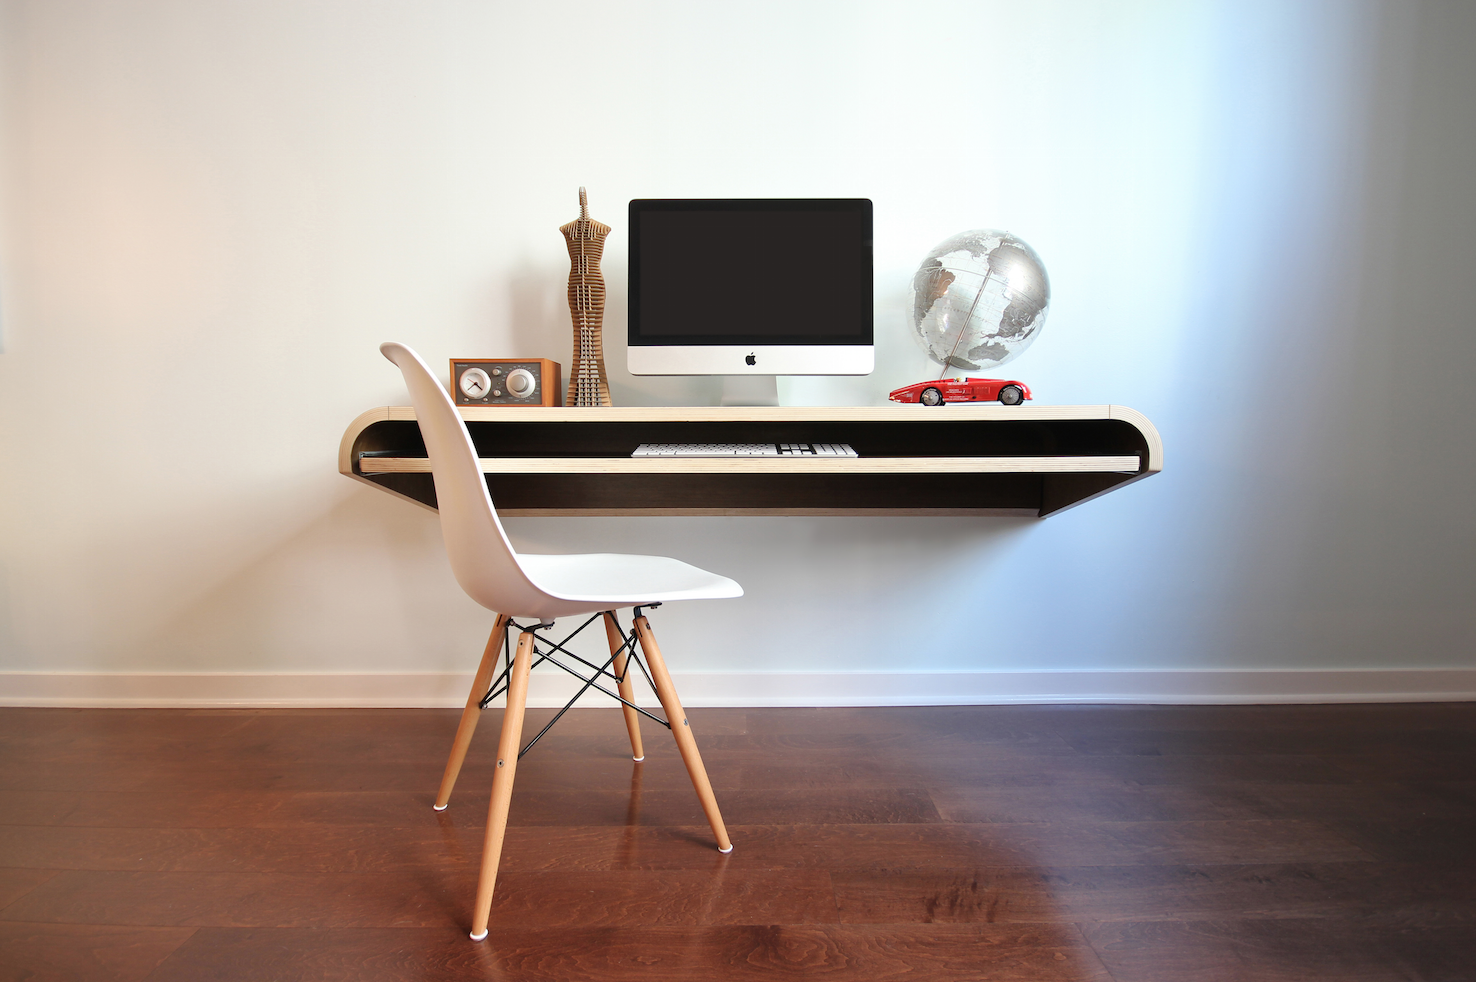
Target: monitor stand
x=750 y=390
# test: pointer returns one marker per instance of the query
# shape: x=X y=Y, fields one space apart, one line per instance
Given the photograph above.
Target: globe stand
x=749 y=390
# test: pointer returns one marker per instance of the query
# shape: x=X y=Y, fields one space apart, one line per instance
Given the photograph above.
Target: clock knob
x=521 y=383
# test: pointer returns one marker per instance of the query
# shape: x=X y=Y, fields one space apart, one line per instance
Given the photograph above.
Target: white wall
x=1257 y=219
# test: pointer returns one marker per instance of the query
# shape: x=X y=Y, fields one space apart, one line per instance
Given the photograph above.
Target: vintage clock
x=505 y=382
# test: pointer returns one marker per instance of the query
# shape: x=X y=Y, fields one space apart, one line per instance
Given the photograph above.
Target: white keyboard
x=744 y=450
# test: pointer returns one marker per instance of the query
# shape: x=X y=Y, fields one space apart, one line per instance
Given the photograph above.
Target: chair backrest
x=482 y=558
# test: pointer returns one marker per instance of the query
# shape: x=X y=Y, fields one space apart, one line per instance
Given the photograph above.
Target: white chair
x=543 y=588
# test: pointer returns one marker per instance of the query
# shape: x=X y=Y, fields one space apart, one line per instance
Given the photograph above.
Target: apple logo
x=751 y=360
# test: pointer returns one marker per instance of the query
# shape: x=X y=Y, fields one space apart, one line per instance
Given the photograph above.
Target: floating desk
x=912 y=460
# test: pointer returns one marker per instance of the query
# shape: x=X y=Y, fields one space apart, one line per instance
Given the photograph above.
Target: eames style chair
x=540 y=588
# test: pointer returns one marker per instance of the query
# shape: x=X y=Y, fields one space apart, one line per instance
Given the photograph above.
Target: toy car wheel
x=1011 y=395
x=931 y=397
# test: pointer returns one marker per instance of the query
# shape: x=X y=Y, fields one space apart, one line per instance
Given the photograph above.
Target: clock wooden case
x=505 y=382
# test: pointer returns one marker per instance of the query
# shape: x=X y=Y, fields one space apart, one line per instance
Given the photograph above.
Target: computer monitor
x=750 y=286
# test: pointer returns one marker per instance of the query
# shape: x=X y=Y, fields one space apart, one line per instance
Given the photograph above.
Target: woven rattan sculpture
x=588 y=385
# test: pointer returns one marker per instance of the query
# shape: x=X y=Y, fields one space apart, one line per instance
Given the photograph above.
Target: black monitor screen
x=750 y=271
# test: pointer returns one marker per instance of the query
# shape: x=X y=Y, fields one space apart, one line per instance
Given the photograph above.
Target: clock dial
x=475 y=383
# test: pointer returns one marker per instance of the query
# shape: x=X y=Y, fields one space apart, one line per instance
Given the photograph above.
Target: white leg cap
x=638 y=759
x=478 y=937
x=440 y=808
x=727 y=850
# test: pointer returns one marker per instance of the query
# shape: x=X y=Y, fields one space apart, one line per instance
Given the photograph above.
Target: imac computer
x=753 y=287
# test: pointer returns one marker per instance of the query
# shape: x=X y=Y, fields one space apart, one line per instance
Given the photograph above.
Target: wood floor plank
x=1394 y=766
x=1351 y=718
x=1381 y=802
x=1005 y=770
x=1213 y=741
x=1065 y=844
x=279 y=899
x=373 y=849
x=1417 y=839
x=1045 y=953
x=662 y=898
x=131 y=809
x=632 y=805
x=845 y=806
x=839 y=847
x=318 y=849
x=208 y=776
x=16 y=883
x=1095 y=802
x=1022 y=726
x=84 y=953
x=1264 y=891
x=872 y=745
x=1452 y=791
x=989 y=895
x=54 y=730
x=386 y=809
x=1122 y=801
x=1105 y=893
x=1430 y=948
x=662 y=770
x=220 y=775
x=1245 y=950
x=425 y=899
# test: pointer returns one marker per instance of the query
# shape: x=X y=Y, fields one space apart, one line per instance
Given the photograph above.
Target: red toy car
x=939 y=391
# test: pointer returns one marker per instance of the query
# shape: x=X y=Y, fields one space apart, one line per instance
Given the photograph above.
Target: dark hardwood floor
x=1103 y=843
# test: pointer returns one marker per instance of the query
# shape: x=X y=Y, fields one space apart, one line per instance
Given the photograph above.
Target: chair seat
x=609 y=580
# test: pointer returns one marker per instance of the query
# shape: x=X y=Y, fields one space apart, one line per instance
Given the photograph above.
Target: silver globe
x=979 y=299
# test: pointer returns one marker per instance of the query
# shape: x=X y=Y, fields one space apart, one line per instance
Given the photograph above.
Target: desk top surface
x=731 y=414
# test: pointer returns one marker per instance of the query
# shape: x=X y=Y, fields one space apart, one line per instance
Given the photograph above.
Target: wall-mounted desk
x=912 y=460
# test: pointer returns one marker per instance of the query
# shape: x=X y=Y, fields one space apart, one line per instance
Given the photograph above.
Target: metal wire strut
x=627 y=647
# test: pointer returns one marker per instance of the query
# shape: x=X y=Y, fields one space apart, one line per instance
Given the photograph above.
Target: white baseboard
x=448 y=689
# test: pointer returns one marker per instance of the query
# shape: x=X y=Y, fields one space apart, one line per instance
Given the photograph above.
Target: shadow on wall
x=367 y=588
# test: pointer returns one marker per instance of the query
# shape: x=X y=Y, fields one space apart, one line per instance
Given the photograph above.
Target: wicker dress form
x=588 y=384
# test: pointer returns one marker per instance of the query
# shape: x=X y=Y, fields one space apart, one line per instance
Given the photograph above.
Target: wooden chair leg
x=472 y=712
x=502 y=782
x=686 y=743
x=627 y=691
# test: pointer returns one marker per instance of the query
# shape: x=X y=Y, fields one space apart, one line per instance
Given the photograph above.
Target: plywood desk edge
x=361 y=423
x=1150 y=435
